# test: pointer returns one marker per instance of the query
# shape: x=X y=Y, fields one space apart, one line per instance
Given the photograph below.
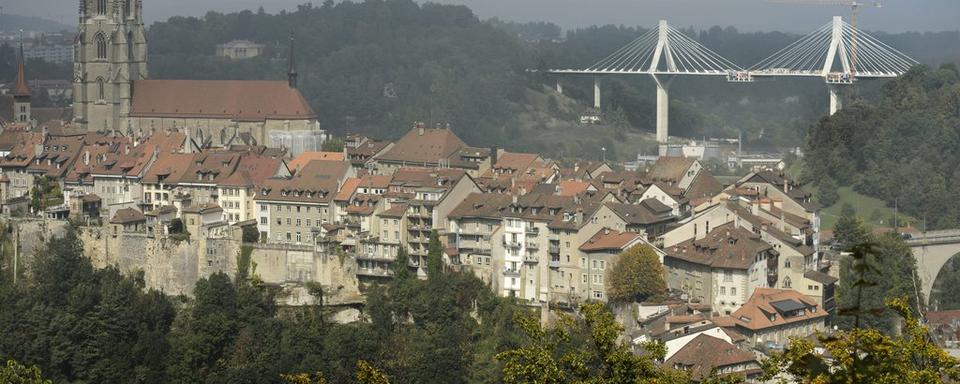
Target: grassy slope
x=873 y=211
x=561 y=136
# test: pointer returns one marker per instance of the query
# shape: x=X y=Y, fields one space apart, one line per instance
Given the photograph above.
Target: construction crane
x=854 y=10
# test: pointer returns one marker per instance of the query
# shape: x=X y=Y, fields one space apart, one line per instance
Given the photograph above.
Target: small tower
x=292 y=73
x=21 y=93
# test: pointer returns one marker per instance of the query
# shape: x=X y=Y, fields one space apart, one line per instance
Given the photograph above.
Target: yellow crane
x=854 y=8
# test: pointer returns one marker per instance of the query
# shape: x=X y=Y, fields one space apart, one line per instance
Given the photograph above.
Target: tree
x=827 y=192
x=434 y=256
x=367 y=374
x=16 y=373
x=867 y=356
x=850 y=230
x=401 y=265
x=332 y=145
x=584 y=350
x=251 y=234
x=636 y=275
x=876 y=269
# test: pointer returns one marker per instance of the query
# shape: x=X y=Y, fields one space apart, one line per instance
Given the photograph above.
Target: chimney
x=420 y=128
x=786 y=185
x=86 y=157
x=493 y=155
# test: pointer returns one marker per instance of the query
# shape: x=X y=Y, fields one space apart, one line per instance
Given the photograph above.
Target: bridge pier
x=596 y=92
x=835 y=101
x=663 y=106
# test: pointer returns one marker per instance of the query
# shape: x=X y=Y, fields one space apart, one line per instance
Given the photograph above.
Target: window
x=101 y=92
x=288 y=235
x=298 y=237
x=583 y=263
x=263 y=208
x=723 y=290
x=298 y=222
x=129 y=43
x=288 y=221
x=603 y=265
x=101 y=42
x=584 y=278
x=733 y=291
x=101 y=7
x=309 y=222
x=263 y=220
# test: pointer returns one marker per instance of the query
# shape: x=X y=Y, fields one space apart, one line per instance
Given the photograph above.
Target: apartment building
x=723 y=268
x=294 y=209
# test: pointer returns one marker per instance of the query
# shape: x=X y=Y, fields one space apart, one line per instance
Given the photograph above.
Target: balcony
x=511 y=272
x=533 y=231
x=532 y=245
x=554 y=249
x=375 y=272
x=531 y=259
x=554 y=264
x=511 y=244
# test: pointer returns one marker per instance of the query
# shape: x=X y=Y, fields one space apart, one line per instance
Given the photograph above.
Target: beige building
x=240 y=49
x=293 y=210
x=723 y=268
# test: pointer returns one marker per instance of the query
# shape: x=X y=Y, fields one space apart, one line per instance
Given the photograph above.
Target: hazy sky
x=748 y=15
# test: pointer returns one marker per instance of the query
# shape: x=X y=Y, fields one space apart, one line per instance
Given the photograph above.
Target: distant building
x=57 y=53
x=240 y=49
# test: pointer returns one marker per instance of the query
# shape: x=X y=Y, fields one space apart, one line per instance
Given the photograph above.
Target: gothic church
x=112 y=91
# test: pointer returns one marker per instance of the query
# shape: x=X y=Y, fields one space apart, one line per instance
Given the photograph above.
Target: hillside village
x=179 y=196
x=742 y=260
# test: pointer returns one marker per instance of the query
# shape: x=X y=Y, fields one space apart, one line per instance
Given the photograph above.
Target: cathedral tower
x=110 y=53
x=21 y=91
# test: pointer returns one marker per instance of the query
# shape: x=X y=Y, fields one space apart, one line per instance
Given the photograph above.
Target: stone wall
x=174 y=266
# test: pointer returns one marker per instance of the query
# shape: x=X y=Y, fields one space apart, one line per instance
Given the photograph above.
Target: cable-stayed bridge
x=837 y=52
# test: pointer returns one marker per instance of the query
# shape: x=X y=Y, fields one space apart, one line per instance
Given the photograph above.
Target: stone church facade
x=112 y=91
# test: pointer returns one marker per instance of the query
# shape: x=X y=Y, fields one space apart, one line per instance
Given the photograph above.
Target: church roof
x=242 y=100
x=21 y=89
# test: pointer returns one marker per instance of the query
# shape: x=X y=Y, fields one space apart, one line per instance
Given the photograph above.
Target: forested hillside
x=376 y=66
x=904 y=147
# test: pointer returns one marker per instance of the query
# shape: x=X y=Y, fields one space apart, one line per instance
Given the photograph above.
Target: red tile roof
x=760 y=312
x=306 y=157
x=246 y=100
x=704 y=353
x=424 y=145
x=607 y=239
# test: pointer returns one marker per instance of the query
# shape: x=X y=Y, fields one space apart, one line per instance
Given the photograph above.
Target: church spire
x=21 y=89
x=292 y=73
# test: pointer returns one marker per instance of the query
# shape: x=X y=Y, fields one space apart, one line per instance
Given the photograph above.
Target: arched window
x=101 y=93
x=786 y=282
x=126 y=8
x=101 y=43
x=101 y=7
